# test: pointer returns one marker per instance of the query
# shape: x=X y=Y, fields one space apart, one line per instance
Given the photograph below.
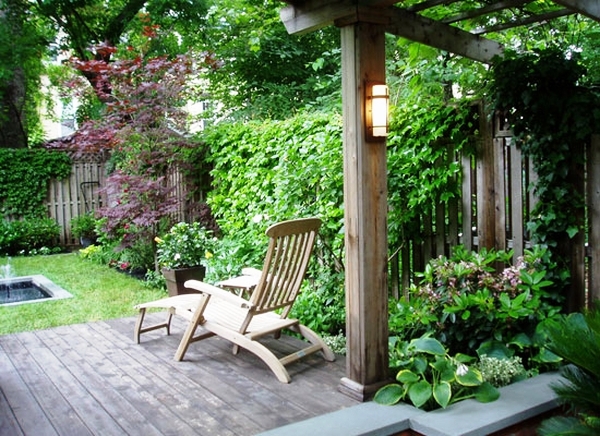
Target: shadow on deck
x=92 y=378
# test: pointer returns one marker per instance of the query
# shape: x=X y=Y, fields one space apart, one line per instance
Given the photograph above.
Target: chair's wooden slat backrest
x=288 y=254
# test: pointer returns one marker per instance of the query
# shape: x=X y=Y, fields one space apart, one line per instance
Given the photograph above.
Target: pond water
x=28 y=289
x=18 y=291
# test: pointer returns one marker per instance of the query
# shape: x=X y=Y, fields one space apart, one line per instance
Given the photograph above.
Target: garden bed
x=520 y=406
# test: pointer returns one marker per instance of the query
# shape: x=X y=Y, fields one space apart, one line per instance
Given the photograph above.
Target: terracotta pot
x=176 y=278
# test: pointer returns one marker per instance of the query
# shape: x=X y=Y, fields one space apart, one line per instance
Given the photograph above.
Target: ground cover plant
x=99 y=293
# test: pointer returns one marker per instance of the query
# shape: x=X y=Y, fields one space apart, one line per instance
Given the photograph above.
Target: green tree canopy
x=266 y=72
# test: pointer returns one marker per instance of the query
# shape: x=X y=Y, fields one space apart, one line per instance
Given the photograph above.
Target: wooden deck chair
x=244 y=321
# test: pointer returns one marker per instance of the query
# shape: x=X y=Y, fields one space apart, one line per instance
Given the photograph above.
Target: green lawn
x=99 y=293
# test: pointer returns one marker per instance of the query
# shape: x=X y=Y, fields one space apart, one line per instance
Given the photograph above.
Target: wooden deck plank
x=8 y=422
x=222 y=405
x=28 y=412
x=134 y=380
x=13 y=388
x=93 y=379
x=81 y=399
x=240 y=374
x=110 y=387
x=54 y=406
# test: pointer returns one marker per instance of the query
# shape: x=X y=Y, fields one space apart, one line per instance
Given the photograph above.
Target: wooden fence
x=493 y=210
x=77 y=195
x=82 y=193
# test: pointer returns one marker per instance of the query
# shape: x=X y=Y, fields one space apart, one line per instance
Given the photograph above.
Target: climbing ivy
x=24 y=177
x=422 y=164
x=552 y=116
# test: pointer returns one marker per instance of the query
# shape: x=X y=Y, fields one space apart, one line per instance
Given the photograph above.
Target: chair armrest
x=218 y=293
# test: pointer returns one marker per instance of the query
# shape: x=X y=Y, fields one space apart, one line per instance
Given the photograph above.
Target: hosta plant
x=429 y=377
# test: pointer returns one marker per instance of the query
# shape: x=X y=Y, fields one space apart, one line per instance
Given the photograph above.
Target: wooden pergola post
x=363 y=25
x=365 y=201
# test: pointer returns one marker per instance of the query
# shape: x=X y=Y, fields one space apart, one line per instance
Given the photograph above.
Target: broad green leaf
x=428 y=345
x=518 y=301
x=441 y=364
x=420 y=364
x=547 y=356
x=442 y=392
x=486 y=393
x=521 y=340
x=494 y=349
x=389 y=394
x=420 y=393
x=464 y=358
x=448 y=375
x=471 y=378
x=407 y=376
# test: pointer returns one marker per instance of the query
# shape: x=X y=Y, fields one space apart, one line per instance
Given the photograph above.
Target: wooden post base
x=359 y=391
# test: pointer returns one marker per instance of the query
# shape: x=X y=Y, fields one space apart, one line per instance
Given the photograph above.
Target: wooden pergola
x=363 y=25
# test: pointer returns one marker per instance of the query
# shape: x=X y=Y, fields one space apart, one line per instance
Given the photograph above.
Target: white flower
x=177 y=256
x=462 y=369
x=257 y=218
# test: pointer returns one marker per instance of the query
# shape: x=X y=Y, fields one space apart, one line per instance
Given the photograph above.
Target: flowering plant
x=185 y=245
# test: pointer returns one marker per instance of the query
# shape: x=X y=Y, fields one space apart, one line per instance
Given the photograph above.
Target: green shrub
x=29 y=236
x=463 y=302
x=337 y=343
x=321 y=310
x=270 y=171
x=84 y=226
x=185 y=245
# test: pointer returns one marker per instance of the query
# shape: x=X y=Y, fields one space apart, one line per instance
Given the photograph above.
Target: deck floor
x=92 y=379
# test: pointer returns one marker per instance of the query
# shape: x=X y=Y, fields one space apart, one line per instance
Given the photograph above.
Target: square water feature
x=29 y=289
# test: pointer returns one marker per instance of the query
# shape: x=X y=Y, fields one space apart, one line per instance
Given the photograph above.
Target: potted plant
x=182 y=254
x=83 y=227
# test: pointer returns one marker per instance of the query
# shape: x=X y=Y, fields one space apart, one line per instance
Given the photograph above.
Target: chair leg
x=195 y=320
x=314 y=339
x=138 y=325
x=138 y=330
x=255 y=347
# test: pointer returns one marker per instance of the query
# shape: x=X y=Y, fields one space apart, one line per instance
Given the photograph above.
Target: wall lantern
x=377 y=108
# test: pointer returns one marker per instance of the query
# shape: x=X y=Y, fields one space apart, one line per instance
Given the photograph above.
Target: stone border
x=55 y=291
x=517 y=403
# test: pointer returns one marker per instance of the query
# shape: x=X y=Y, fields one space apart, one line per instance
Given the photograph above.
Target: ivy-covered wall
x=24 y=178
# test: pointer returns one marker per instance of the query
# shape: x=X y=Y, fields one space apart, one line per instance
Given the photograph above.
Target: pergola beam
x=311 y=15
x=589 y=8
x=307 y=16
x=442 y=36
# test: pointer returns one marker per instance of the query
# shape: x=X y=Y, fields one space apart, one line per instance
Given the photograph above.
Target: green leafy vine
x=552 y=114
x=24 y=177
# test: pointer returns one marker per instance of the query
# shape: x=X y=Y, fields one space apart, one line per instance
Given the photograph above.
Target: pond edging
x=517 y=403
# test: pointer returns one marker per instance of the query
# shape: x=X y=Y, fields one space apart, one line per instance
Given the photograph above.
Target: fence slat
x=497 y=201
x=517 y=233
